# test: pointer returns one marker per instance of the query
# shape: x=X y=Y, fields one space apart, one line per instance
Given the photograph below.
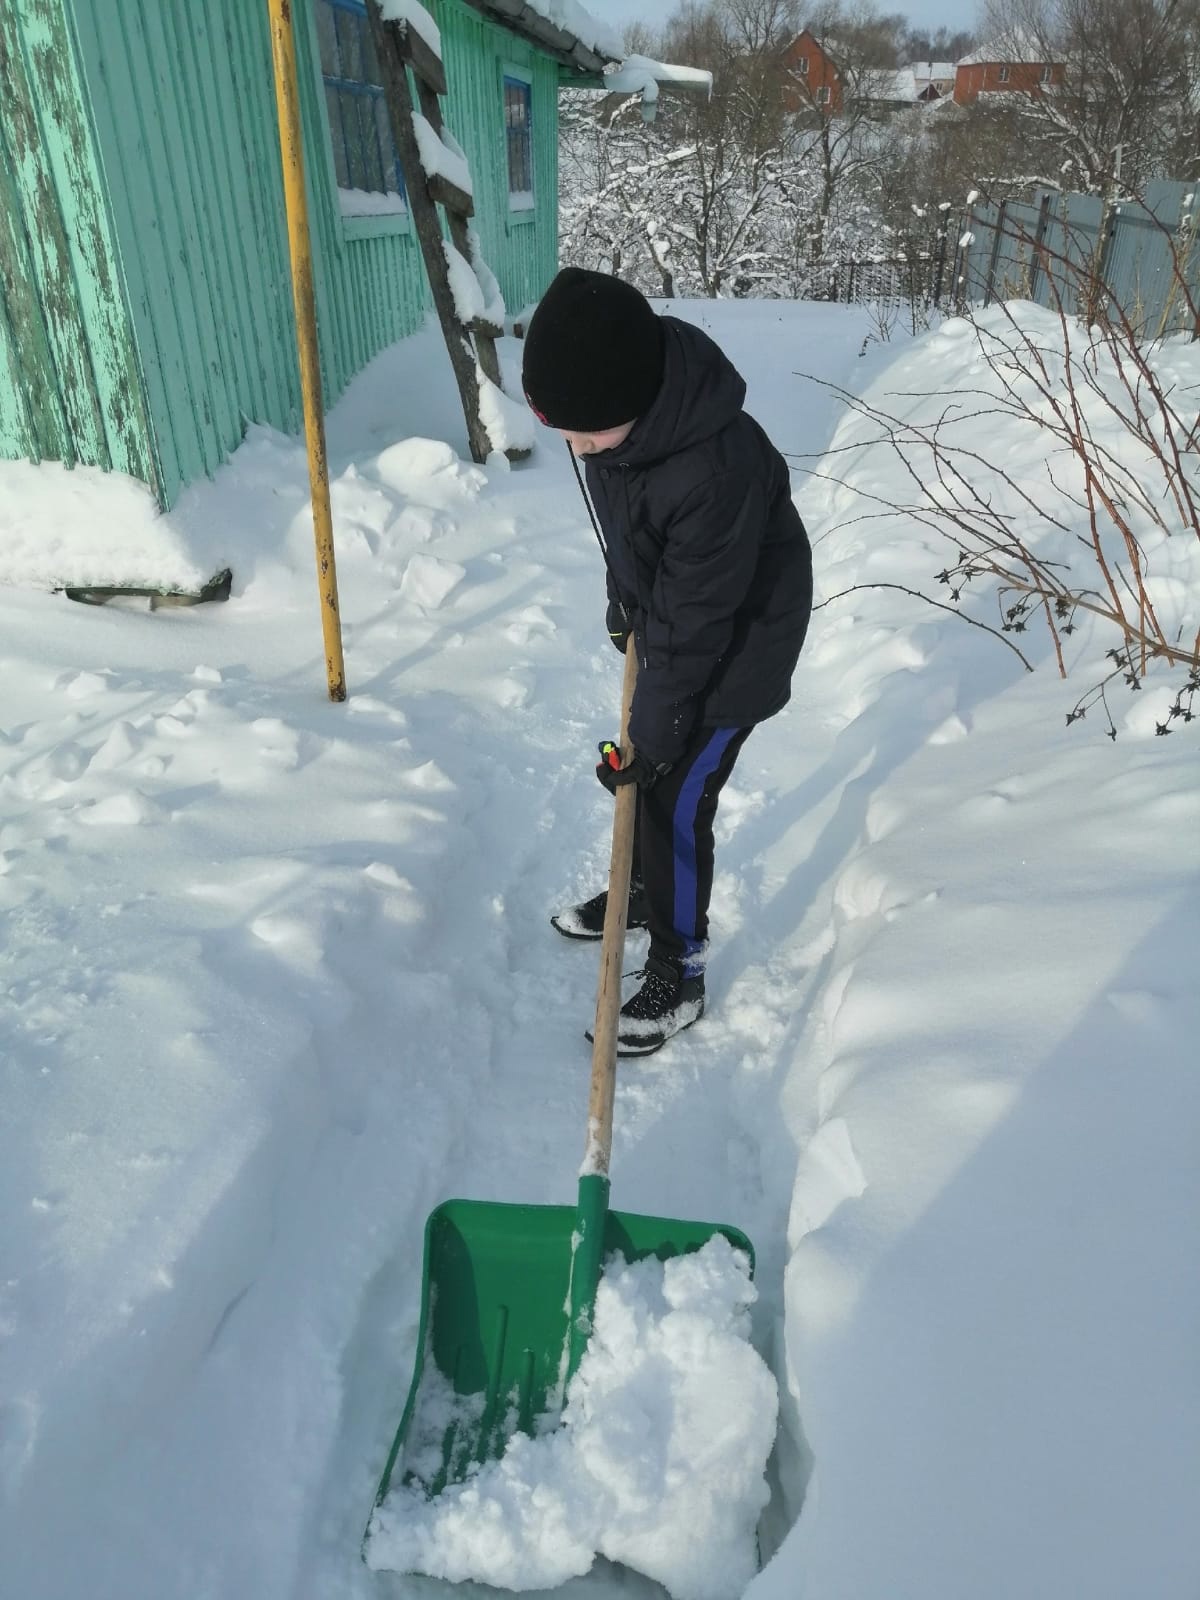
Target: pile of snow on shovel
x=659 y=1463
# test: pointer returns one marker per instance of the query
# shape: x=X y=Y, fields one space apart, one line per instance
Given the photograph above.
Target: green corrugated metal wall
x=181 y=101
x=184 y=107
x=522 y=249
x=69 y=386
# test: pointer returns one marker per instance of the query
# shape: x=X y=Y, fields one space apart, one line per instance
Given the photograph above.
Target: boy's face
x=590 y=444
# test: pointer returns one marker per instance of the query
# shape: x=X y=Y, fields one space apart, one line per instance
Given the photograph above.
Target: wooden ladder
x=472 y=344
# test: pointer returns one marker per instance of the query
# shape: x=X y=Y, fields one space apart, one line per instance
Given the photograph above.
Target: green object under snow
x=507 y=1300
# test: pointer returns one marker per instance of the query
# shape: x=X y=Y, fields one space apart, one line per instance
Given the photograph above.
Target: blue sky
x=926 y=13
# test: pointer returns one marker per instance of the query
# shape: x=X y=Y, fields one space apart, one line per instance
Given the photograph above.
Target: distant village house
x=1005 y=66
x=812 y=77
x=813 y=80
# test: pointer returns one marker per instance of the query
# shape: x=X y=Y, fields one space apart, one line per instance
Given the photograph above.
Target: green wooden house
x=145 y=302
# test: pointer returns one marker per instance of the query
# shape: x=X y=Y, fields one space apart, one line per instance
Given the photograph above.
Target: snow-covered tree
x=1127 y=98
x=729 y=196
x=847 y=138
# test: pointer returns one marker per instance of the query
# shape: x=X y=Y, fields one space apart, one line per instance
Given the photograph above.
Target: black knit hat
x=593 y=353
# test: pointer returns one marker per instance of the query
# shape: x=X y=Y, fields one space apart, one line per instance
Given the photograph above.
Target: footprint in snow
x=49 y=776
x=117 y=811
x=121 y=744
x=291 y=939
x=82 y=685
x=428 y=581
x=509 y=693
x=279 y=744
x=527 y=625
x=400 y=901
x=951 y=731
x=737 y=807
x=429 y=778
x=863 y=892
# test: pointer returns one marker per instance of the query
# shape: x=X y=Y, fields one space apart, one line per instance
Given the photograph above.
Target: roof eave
x=572 y=55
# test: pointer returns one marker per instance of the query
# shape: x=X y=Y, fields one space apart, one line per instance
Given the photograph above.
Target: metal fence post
x=1039 y=240
x=993 y=259
x=939 y=269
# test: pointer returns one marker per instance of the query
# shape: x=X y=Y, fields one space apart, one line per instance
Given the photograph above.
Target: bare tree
x=845 y=136
x=1127 y=75
x=639 y=40
x=617 y=174
x=760 y=27
x=738 y=140
x=1091 y=534
x=715 y=197
x=942 y=44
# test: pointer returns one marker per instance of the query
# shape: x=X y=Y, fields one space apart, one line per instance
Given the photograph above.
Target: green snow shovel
x=509 y=1291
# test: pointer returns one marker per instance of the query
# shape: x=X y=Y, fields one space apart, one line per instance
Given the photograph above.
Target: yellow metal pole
x=291 y=149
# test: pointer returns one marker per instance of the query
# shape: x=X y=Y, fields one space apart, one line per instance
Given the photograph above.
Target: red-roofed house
x=813 y=78
x=1005 y=66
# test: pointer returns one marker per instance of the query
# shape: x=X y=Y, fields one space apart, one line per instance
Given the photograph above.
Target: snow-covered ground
x=278 y=976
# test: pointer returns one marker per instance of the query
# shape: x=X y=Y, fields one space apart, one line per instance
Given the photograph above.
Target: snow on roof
x=571 y=17
x=1013 y=47
x=931 y=71
x=641 y=75
x=900 y=85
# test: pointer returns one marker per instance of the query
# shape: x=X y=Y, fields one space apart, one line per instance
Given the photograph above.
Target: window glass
x=350 y=28
x=364 y=156
x=518 y=131
x=333 y=106
x=327 y=38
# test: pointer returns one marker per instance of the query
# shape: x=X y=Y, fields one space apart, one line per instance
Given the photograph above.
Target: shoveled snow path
x=697 y=1131
x=279 y=977
x=316 y=940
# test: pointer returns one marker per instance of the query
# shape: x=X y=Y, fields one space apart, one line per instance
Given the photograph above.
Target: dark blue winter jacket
x=707 y=554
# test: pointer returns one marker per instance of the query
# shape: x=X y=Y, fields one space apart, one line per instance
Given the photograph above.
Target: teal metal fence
x=1058 y=248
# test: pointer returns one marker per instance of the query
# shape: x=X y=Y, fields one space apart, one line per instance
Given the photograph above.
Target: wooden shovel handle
x=612 y=948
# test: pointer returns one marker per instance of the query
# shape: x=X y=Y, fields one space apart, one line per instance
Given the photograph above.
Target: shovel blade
x=492 y=1341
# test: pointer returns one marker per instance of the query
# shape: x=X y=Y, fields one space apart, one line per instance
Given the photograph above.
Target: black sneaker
x=586 y=921
x=666 y=1003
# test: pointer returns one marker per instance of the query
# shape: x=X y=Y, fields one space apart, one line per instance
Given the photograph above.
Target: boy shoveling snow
x=710 y=575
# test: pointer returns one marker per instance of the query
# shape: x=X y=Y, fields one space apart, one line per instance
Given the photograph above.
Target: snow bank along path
x=278 y=976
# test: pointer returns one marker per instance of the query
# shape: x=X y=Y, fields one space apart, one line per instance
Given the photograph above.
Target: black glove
x=618 y=625
x=640 y=771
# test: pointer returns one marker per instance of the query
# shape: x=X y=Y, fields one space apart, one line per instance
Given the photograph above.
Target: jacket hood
x=702 y=392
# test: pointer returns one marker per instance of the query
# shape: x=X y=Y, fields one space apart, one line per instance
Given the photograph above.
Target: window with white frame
x=824 y=95
x=518 y=137
x=1047 y=73
x=369 y=179
x=1003 y=74
x=802 y=66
